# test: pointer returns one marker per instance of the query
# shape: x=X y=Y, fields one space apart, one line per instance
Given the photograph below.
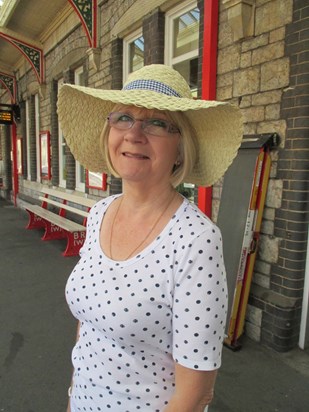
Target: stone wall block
x=274 y=193
x=246 y=60
x=273 y=126
x=253 y=332
x=273 y=15
x=253 y=322
x=261 y=280
x=246 y=101
x=269 y=213
x=268 y=249
x=229 y=59
x=225 y=35
x=265 y=98
x=268 y=53
x=267 y=227
x=254 y=43
x=246 y=81
x=224 y=93
x=262 y=267
x=250 y=128
x=276 y=35
x=225 y=79
x=275 y=74
x=254 y=315
x=254 y=114
x=272 y=112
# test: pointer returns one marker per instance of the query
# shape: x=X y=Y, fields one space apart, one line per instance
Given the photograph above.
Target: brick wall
x=153 y=32
x=291 y=220
x=266 y=73
x=116 y=63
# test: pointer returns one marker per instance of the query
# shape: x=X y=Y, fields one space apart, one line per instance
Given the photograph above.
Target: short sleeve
x=200 y=303
x=93 y=223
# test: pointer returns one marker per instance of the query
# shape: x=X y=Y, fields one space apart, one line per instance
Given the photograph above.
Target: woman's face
x=141 y=157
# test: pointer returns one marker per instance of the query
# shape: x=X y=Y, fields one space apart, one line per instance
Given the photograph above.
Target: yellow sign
x=6 y=117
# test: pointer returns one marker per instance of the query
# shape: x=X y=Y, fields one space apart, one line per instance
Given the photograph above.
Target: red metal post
x=14 y=158
x=209 y=77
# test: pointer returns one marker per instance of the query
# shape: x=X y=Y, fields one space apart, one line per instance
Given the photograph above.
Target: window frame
x=170 y=16
x=79 y=184
x=37 y=136
x=45 y=153
x=28 y=140
x=126 y=51
x=61 y=146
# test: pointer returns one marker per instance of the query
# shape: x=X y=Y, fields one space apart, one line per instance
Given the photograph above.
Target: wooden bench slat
x=57 y=226
x=60 y=221
x=84 y=201
x=80 y=212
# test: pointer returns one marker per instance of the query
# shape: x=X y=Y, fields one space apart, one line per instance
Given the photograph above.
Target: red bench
x=57 y=223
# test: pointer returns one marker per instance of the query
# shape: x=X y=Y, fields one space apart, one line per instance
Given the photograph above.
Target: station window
x=79 y=79
x=182 y=40
x=62 y=149
x=37 y=135
x=181 y=53
x=133 y=53
x=28 y=139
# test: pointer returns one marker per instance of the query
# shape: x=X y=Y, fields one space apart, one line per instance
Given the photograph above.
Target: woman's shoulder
x=192 y=225
x=101 y=205
x=196 y=217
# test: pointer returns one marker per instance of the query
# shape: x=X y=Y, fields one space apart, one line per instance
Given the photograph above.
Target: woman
x=149 y=291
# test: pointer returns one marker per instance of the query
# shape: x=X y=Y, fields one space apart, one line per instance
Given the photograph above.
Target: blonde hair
x=187 y=147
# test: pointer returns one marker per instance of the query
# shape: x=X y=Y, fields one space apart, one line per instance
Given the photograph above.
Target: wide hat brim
x=82 y=112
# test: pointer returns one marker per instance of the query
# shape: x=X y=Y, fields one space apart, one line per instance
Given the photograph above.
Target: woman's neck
x=139 y=199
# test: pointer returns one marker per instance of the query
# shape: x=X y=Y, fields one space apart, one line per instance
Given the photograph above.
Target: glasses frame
x=170 y=128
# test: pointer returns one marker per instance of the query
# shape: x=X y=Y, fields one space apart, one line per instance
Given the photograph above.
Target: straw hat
x=218 y=125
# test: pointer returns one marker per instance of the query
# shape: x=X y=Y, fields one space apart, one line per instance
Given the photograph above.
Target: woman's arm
x=77 y=337
x=193 y=390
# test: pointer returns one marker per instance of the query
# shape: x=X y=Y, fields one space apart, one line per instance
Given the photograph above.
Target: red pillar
x=14 y=159
x=209 y=79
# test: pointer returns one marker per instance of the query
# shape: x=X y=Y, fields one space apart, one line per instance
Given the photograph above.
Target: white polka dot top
x=138 y=317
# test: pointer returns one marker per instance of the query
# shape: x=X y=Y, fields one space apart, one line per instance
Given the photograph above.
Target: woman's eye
x=124 y=118
x=158 y=123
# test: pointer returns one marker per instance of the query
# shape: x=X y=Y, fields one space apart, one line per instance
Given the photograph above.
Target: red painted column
x=14 y=159
x=209 y=79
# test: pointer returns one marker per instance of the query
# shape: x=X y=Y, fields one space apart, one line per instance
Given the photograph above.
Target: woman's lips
x=135 y=155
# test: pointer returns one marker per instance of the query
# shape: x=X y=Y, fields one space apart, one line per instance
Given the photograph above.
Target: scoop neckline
x=144 y=252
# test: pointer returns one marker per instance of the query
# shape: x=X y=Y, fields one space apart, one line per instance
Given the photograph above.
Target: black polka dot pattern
x=167 y=304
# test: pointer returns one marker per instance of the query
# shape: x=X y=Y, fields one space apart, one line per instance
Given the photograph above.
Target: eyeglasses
x=154 y=127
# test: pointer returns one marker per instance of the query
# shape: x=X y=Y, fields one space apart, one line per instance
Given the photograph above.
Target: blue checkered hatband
x=151 y=85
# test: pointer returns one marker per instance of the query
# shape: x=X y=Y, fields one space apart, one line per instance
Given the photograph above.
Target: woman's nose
x=135 y=133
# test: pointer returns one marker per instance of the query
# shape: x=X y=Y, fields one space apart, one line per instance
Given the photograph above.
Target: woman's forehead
x=139 y=111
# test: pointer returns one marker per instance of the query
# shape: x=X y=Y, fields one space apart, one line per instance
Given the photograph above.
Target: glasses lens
x=157 y=127
x=120 y=120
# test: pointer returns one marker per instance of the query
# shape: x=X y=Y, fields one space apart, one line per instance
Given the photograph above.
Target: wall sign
x=96 y=180
x=45 y=155
x=6 y=116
